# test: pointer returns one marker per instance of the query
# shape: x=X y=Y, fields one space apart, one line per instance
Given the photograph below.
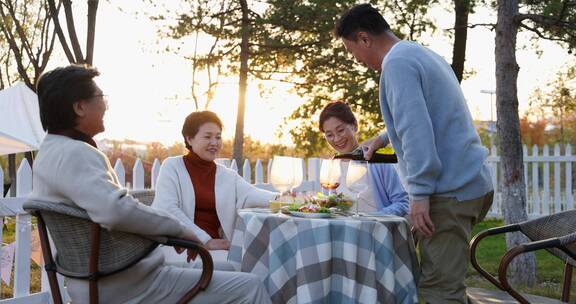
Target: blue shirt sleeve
x=388 y=190
x=402 y=79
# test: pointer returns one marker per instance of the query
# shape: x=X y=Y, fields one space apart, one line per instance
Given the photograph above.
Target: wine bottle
x=382 y=155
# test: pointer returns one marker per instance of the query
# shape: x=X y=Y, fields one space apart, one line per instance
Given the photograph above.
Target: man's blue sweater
x=430 y=127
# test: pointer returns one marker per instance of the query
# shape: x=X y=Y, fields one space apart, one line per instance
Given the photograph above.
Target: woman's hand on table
x=218 y=244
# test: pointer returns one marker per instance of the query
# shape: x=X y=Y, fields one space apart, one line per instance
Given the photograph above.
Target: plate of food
x=309 y=210
x=338 y=201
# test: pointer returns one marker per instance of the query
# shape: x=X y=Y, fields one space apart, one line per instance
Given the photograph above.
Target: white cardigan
x=175 y=194
x=72 y=172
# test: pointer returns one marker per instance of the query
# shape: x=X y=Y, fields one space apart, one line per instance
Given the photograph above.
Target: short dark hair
x=195 y=120
x=362 y=17
x=337 y=109
x=58 y=90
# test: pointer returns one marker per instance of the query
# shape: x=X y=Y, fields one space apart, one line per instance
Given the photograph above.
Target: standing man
x=440 y=157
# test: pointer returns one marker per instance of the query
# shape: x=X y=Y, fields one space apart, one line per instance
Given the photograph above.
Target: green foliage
x=26 y=41
x=560 y=98
x=557 y=100
x=220 y=22
x=551 y=20
x=484 y=137
x=292 y=41
x=299 y=33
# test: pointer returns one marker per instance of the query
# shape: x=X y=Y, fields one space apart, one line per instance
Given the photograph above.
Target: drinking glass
x=357 y=179
x=298 y=170
x=282 y=175
x=330 y=174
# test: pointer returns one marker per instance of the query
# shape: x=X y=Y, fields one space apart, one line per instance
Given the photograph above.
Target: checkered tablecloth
x=338 y=260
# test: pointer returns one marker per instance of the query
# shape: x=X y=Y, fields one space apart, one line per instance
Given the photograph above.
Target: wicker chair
x=556 y=233
x=145 y=196
x=101 y=254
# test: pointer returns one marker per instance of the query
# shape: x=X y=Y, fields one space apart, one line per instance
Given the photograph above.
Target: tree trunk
x=92 y=8
x=523 y=268
x=72 y=31
x=461 y=10
x=77 y=57
x=54 y=11
x=244 y=54
x=562 y=124
x=12 y=174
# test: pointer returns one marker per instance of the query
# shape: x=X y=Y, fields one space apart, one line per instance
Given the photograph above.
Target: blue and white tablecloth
x=338 y=260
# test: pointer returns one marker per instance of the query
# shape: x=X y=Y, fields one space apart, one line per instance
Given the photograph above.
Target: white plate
x=310 y=215
x=258 y=210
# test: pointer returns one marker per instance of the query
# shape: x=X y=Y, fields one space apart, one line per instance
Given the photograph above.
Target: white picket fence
x=546 y=193
x=312 y=183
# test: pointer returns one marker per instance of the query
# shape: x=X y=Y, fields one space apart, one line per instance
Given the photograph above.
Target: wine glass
x=282 y=175
x=357 y=179
x=330 y=174
x=298 y=169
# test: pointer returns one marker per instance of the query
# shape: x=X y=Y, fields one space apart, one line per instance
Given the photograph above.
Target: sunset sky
x=149 y=89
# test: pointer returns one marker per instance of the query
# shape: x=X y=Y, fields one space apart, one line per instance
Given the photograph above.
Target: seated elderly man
x=70 y=169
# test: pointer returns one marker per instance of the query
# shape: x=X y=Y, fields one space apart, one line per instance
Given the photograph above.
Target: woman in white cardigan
x=202 y=194
x=69 y=169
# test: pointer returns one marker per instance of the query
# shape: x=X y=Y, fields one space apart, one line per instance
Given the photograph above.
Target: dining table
x=339 y=259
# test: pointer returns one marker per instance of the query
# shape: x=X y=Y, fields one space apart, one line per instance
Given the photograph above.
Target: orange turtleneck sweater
x=203 y=176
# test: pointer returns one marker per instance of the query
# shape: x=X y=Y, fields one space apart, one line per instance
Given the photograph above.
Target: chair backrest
x=69 y=228
x=552 y=226
x=146 y=196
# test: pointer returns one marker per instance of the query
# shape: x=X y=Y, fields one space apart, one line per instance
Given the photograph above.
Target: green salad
x=339 y=201
x=321 y=203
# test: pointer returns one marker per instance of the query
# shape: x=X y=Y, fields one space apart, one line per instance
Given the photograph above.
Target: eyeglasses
x=104 y=96
x=104 y=99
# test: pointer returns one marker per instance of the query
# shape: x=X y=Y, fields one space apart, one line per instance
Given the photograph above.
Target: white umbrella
x=20 y=126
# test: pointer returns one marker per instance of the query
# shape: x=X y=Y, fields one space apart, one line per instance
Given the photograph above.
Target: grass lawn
x=550 y=269
x=8 y=237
